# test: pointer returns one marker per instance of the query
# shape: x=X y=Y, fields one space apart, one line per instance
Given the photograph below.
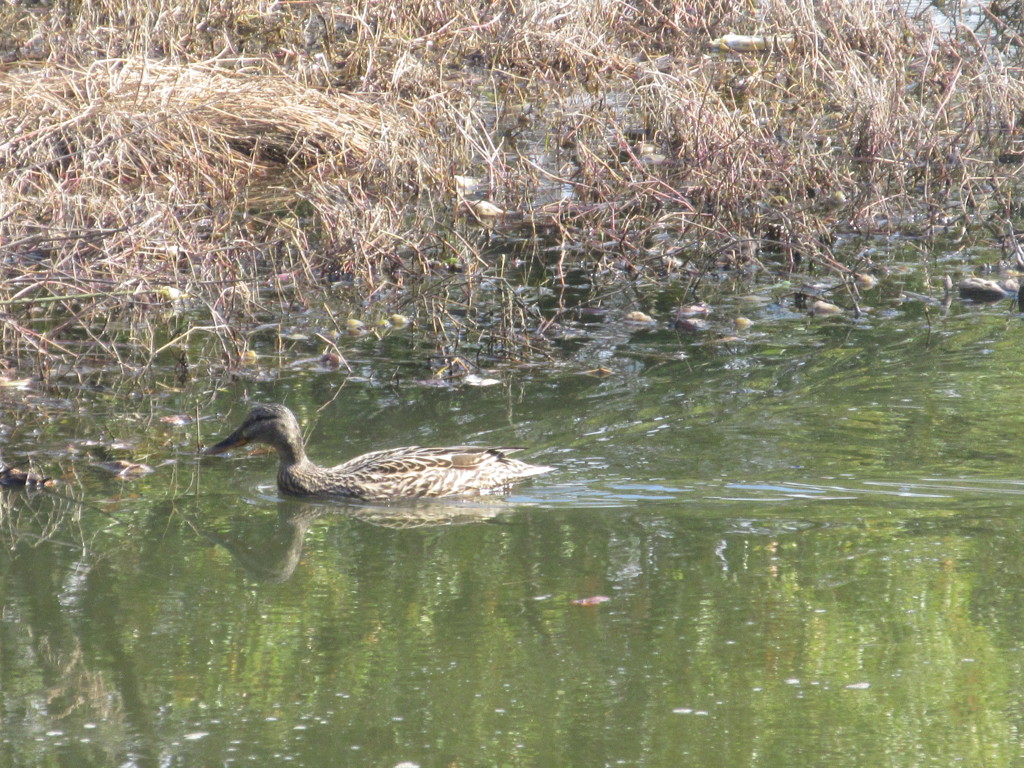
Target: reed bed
x=239 y=158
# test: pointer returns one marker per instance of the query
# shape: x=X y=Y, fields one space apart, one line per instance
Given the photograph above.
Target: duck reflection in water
x=272 y=556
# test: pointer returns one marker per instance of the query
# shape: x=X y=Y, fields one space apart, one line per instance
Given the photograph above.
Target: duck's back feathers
x=416 y=472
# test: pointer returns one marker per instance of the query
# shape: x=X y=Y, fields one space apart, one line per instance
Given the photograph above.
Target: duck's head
x=271 y=424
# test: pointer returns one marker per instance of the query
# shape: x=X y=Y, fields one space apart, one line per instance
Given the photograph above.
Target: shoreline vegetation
x=228 y=162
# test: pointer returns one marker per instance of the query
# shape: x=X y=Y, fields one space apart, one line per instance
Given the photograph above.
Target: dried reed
x=233 y=159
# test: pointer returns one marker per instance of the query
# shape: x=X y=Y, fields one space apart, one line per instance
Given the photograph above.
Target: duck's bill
x=229 y=442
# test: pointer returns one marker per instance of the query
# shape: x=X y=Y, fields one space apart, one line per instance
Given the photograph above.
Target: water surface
x=809 y=535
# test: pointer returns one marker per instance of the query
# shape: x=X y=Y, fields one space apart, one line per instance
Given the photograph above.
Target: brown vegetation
x=226 y=156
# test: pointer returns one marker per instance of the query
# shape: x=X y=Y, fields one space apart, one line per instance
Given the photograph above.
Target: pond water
x=808 y=534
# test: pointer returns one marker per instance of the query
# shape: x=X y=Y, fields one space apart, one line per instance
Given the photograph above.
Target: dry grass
x=217 y=151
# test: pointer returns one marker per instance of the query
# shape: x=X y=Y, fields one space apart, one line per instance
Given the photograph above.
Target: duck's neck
x=291 y=453
x=305 y=478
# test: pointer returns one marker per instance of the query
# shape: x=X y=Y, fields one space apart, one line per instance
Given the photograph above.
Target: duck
x=380 y=476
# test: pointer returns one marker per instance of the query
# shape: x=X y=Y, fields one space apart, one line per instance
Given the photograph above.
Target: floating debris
x=864 y=281
x=12 y=477
x=987 y=291
x=824 y=309
x=645 y=152
x=355 y=326
x=8 y=383
x=588 y=601
x=752 y=43
x=473 y=380
x=126 y=469
x=484 y=211
x=700 y=309
x=639 y=318
x=178 y=420
x=468 y=184
x=170 y=293
x=691 y=324
x=331 y=360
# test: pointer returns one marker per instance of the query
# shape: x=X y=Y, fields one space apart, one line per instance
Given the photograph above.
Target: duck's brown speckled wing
x=414 y=459
x=414 y=471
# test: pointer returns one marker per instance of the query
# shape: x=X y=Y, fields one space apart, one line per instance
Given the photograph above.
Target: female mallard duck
x=398 y=473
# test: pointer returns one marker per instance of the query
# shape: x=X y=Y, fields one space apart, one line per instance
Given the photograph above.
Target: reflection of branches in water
x=36 y=516
x=63 y=683
x=72 y=683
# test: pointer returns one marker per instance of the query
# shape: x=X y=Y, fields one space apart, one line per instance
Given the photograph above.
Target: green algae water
x=799 y=545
